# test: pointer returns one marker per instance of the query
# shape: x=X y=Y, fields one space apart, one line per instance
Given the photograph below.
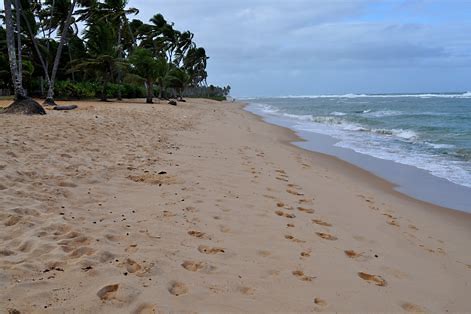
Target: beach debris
x=162 y=172
x=172 y=102
x=69 y=107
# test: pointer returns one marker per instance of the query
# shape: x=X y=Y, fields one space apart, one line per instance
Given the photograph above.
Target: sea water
x=431 y=132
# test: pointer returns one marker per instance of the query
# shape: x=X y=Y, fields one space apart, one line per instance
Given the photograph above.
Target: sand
x=148 y=208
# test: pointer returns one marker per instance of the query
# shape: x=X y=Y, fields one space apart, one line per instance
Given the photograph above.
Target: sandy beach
x=126 y=207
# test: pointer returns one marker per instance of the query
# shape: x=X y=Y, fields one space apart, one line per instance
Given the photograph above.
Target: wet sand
x=138 y=208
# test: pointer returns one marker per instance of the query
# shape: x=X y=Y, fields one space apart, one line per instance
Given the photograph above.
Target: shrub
x=74 y=90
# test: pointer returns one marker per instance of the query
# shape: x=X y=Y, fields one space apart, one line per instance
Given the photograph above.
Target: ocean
x=431 y=132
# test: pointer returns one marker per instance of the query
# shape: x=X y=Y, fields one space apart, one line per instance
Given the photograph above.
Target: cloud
x=307 y=46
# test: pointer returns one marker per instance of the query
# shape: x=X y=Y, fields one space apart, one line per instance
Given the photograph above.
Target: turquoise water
x=429 y=131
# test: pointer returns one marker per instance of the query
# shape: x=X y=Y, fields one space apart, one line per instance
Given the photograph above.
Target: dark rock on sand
x=24 y=106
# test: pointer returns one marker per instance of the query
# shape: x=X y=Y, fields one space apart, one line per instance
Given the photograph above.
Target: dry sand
x=238 y=220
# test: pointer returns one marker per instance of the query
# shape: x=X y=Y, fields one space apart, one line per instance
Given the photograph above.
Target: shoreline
x=134 y=208
x=353 y=171
x=407 y=180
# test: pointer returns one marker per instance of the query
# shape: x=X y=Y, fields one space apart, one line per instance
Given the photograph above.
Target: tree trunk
x=68 y=21
x=38 y=52
x=19 y=91
x=120 y=54
x=150 y=91
x=103 y=91
x=161 y=87
x=18 y=40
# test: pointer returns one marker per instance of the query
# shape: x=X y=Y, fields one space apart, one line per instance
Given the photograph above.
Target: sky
x=308 y=47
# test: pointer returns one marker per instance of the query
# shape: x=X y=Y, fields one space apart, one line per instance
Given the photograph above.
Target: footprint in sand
x=263 y=253
x=306 y=210
x=300 y=275
x=290 y=237
x=283 y=214
x=177 y=288
x=132 y=266
x=210 y=250
x=305 y=253
x=326 y=236
x=280 y=204
x=320 y=302
x=291 y=191
x=352 y=253
x=224 y=229
x=282 y=179
x=412 y=308
x=197 y=266
x=290 y=225
x=108 y=292
x=305 y=201
x=246 y=290
x=145 y=309
x=413 y=227
x=321 y=223
x=376 y=279
x=199 y=234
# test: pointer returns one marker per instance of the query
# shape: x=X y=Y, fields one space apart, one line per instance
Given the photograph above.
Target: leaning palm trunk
x=15 y=74
x=50 y=92
x=38 y=52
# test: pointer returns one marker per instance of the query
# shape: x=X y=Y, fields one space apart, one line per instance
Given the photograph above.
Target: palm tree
x=12 y=58
x=195 y=63
x=145 y=66
x=163 y=75
x=63 y=38
x=104 y=61
x=185 y=42
x=22 y=103
x=115 y=12
x=179 y=79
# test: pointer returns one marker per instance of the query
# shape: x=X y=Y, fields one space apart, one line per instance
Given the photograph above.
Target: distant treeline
x=72 y=49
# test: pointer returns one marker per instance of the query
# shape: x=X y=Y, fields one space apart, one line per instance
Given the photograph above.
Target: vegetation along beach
x=172 y=157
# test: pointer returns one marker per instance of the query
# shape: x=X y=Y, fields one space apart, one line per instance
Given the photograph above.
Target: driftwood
x=24 y=106
x=172 y=102
x=69 y=107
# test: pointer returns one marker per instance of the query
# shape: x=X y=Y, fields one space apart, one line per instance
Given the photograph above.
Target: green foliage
x=84 y=90
x=73 y=90
x=106 y=55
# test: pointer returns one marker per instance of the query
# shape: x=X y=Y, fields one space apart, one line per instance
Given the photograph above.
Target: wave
x=426 y=95
x=402 y=145
x=403 y=134
x=337 y=113
x=382 y=113
x=439 y=146
x=343 y=124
